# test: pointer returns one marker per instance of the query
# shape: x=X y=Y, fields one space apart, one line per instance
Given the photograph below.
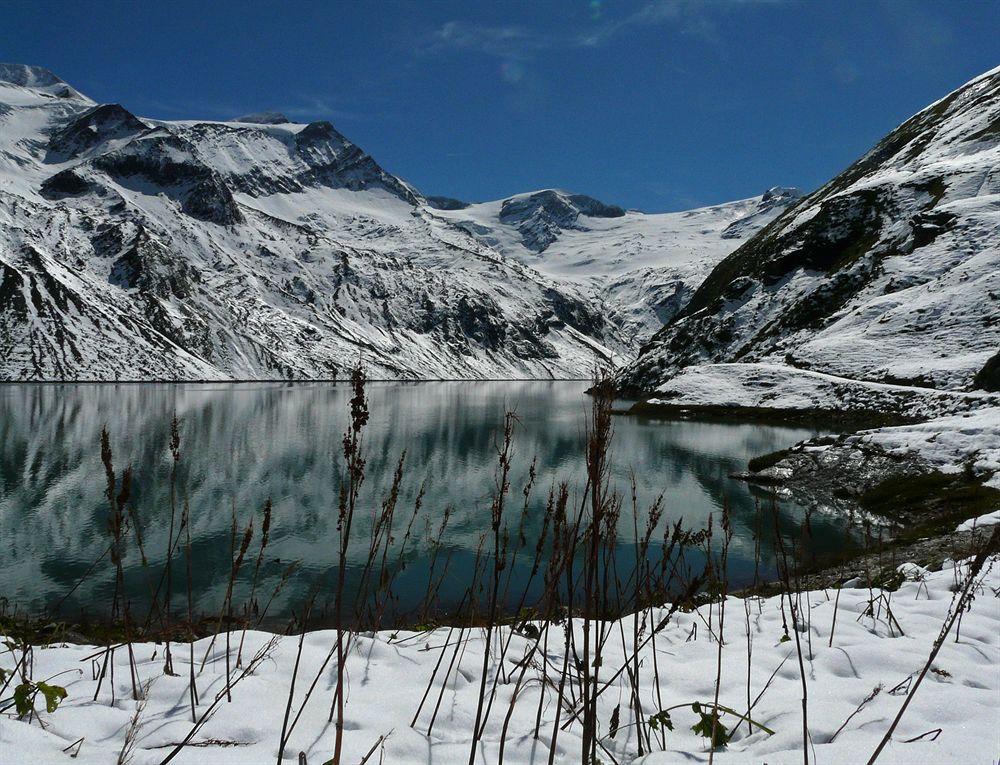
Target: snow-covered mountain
x=642 y=267
x=890 y=273
x=135 y=248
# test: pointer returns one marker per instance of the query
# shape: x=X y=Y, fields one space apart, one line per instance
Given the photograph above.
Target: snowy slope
x=779 y=387
x=888 y=273
x=134 y=248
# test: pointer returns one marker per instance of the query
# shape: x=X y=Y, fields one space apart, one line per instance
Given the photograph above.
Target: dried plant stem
x=958 y=606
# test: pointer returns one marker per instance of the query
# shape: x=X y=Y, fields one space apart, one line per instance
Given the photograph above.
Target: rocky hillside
x=890 y=273
x=133 y=248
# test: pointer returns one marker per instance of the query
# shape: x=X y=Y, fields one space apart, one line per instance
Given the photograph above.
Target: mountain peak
x=37 y=78
x=541 y=215
x=781 y=193
x=263 y=118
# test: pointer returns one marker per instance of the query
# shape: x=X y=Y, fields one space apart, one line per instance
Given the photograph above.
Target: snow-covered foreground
x=389 y=672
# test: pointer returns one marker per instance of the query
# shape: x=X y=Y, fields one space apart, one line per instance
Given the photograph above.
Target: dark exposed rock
x=169 y=162
x=263 y=118
x=927 y=226
x=65 y=183
x=445 y=203
x=576 y=313
x=211 y=200
x=12 y=293
x=988 y=377
x=146 y=265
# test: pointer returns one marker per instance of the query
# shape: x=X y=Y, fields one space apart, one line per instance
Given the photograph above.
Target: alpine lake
x=242 y=444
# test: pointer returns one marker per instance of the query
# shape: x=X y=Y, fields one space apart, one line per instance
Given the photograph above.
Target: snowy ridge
x=888 y=273
x=140 y=249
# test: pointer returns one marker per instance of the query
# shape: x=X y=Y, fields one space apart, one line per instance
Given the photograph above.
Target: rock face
x=889 y=273
x=133 y=248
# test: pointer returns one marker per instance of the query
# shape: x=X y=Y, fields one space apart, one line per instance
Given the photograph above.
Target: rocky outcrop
x=541 y=216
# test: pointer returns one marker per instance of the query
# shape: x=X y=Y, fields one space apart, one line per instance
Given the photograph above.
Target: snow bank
x=950 y=444
x=778 y=386
x=989 y=519
x=388 y=674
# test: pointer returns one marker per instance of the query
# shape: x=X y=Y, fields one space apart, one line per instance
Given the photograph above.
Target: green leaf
x=53 y=695
x=615 y=720
x=661 y=718
x=23 y=695
x=711 y=727
x=785 y=638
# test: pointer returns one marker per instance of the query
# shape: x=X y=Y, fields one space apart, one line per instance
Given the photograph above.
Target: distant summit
x=541 y=215
x=263 y=118
x=773 y=200
x=780 y=195
x=37 y=78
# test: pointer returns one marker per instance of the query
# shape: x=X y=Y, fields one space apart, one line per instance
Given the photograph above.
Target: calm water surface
x=243 y=443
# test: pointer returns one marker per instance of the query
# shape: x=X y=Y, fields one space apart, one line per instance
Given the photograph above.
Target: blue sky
x=659 y=105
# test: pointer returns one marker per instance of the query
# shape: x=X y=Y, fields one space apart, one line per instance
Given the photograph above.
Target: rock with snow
x=38 y=79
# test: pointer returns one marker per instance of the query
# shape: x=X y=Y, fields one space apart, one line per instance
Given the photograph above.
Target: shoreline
x=311 y=380
x=921 y=544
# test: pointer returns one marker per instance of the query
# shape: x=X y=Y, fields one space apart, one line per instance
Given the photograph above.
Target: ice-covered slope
x=643 y=267
x=888 y=273
x=133 y=248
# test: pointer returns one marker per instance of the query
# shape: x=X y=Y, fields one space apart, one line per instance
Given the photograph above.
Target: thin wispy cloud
x=518 y=43
x=508 y=42
x=310 y=107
